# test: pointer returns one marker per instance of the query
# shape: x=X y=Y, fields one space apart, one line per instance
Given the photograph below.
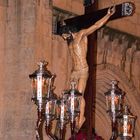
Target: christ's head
x=67 y=33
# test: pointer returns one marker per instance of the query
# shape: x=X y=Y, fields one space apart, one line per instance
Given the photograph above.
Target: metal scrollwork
x=127 y=9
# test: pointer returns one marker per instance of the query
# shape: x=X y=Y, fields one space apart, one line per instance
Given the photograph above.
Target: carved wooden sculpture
x=77 y=42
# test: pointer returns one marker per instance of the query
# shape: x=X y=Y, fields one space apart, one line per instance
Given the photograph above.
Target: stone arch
x=105 y=74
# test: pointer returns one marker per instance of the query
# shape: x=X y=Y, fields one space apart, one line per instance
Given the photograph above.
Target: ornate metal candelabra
x=65 y=109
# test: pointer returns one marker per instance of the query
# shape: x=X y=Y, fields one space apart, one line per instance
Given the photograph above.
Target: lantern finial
x=42 y=65
x=73 y=84
x=114 y=84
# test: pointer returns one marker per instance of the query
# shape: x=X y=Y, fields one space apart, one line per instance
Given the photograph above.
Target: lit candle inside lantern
x=72 y=106
x=72 y=103
x=47 y=108
x=39 y=88
x=112 y=101
x=125 y=125
x=62 y=114
x=62 y=111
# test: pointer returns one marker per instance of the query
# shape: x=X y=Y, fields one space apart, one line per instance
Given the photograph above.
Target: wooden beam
x=122 y=10
x=90 y=92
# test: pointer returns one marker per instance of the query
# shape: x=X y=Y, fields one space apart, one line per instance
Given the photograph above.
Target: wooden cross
x=122 y=10
x=84 y=21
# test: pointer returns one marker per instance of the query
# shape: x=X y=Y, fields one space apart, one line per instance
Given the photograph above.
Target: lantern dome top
x=42 y=70
x=114 y=89
x=73 y=90
x=126 y=112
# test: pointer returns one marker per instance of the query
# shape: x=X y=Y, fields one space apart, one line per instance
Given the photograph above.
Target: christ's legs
x=81 y=77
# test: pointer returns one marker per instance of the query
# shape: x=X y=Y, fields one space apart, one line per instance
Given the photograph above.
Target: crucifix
x=75 y=32
x=84 y=21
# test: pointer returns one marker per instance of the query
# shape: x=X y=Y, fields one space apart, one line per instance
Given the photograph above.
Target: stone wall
x=118 y=58
x=74 y=6
x=25 y=28
x=26 y=38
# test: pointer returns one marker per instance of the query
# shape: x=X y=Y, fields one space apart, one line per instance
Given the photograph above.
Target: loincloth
x=81 y=73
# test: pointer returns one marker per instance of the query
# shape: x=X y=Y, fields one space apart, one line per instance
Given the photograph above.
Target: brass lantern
x=40 y=81
x=126 y=124
x=114 y=99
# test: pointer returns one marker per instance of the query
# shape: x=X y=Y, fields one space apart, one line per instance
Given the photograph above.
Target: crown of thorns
x=67 y=29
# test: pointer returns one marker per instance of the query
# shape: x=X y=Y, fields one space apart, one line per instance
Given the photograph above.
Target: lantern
x=62 y=115
x=114 y=99
x=50 y=110
x=40 y=81
x=126 y=124
x=114 y=106
x=73 y=104
x=62 y=109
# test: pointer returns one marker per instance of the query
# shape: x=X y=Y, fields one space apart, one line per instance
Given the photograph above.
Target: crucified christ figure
x=77 y=42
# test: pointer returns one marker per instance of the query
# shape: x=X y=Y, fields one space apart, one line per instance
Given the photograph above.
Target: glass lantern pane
x=130 y=127
x=77 y=105
x=125 y=126
x=62 y=112
x=120 y=127
x=113 y=103
x=50 y=109
x=34 y=87
x=44 y=87
x=54 y=108
x=73 y=104
x=117 y=103
x=108 y=103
